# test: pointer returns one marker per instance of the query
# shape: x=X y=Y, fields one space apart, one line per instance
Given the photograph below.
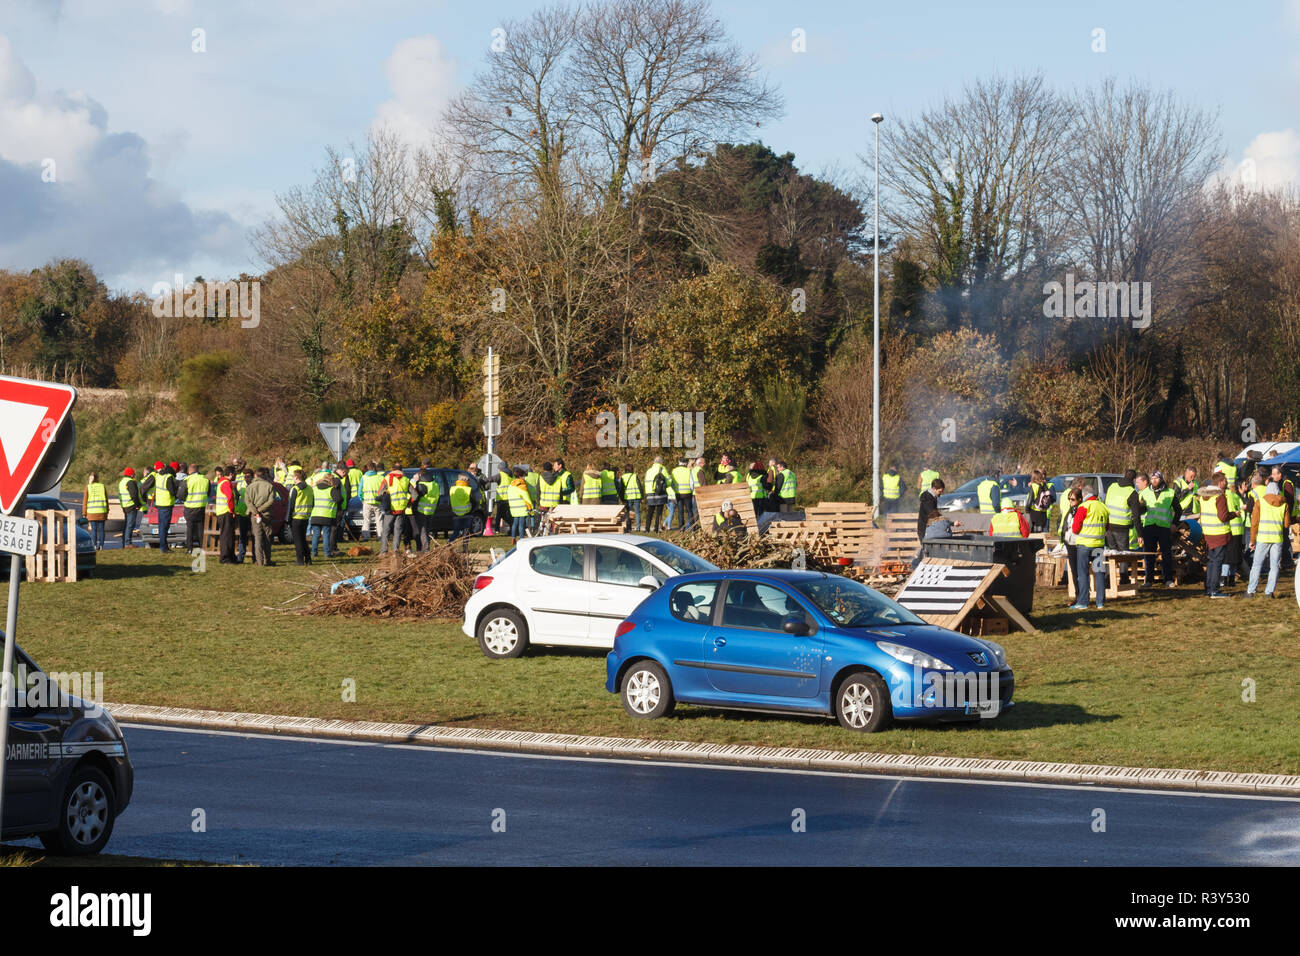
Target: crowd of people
x=1244 y=519
x=396 y=509
x=656 y=500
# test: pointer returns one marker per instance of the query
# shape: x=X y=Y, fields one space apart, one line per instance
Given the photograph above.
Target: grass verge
x=1152 y=681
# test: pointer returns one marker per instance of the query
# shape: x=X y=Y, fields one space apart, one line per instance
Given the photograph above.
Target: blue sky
x=164 y=158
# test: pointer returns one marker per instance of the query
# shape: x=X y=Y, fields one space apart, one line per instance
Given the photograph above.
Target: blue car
x=800 y=642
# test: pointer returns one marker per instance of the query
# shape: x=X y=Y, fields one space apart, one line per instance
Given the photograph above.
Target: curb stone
x=743 y=755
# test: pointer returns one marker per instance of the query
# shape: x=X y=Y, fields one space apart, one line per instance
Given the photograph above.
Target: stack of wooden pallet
x=901 y=543
x=56 y=559
x=854 y=535
x=814 y=537
x=567 y=519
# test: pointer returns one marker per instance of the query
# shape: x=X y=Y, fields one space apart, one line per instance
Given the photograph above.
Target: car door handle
x=719 y=642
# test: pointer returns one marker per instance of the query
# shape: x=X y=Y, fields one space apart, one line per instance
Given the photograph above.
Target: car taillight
x=482 y=581
x=624 y=628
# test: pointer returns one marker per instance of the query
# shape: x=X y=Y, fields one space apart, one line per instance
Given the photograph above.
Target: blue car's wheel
x=862 y=703
x=646 y=691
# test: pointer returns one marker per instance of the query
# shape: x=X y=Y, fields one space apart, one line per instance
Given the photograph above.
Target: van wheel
x=502 y=633
x=85 y=815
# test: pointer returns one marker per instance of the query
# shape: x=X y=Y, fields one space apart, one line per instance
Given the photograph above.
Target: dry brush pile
x=434 y=584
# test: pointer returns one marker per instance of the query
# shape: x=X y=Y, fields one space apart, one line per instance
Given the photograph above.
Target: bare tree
x=1137 y=163
x=1127 y=383
x=658 y=81
x=971 y=180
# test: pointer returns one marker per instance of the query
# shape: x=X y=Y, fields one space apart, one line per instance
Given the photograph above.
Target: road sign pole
x=492 y=446
x=7 y=690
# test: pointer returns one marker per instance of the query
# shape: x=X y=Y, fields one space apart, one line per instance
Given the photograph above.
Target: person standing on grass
x=656 y=493
x=298 y=514
x=521 y=505
x=461 y=497
x=1065 y=531
x=785 y=495
x=630 y=489
x=1039 y=500
x=1185 y=495
x=1213 y=513
x=162 y=483
x=371 y=483
x=1156 y=512
x=196 y=507
x=1269 y=522
x=128 y=496
x=326 y=496
x=428 y=492
x=227 y=520
x=1089 y=526
x=261 y=503
x=94 y=505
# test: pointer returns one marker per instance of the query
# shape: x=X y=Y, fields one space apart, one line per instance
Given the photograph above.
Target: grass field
x=1153 y=681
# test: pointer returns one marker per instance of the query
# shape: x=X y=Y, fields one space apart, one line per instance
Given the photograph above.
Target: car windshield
x=851 y=603
x=679 y=559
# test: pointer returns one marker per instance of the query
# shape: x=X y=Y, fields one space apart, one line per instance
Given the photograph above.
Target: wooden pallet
x=900 y=536
x=210 y=540
x=814 y=537
x=709 y=499
x=855 y=536
x=586 y=519
x=56 y=559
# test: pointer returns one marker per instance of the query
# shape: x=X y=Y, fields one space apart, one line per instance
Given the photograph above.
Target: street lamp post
x=876 y=119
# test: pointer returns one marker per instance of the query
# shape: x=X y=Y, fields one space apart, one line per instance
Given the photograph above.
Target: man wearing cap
x=128 y=496
x=224 y=509
x=728 y=519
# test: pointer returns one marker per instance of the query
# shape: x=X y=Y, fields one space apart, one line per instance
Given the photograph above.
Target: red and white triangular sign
x=30 y=416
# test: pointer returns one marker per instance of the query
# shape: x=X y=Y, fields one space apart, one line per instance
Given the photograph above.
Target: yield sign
x=31 y=414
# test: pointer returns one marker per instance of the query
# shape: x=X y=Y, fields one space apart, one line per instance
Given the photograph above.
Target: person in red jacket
x=227 y=522
x=1008 y=521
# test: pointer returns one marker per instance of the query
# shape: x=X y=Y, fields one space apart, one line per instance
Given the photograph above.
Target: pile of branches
x=436 y=583
x=1189 y=556
x=744 y=551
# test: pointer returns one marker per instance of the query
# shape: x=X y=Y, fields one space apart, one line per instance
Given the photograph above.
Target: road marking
x=691 y=765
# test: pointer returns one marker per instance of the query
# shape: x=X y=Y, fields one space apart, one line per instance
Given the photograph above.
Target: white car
x=569 y=590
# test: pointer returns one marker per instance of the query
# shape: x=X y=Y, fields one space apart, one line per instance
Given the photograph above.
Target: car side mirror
x=648 y=582
x=795 y=624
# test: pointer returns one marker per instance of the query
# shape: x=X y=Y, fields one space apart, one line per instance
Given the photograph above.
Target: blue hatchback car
x=800 y=642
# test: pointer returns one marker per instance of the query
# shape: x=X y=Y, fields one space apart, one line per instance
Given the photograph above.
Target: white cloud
x=98 y=199
x=1270 y=161
x=422 y=78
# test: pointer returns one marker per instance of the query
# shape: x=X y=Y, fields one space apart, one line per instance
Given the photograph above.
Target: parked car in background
x=1099 y=481
x=442 y=517
x=966 y=497
x=68 y=776
x=800 y=642
x=569 y=590
x=85 y=543
x=280 y=529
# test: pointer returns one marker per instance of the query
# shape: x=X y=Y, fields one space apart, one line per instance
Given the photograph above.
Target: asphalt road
x=284 y=801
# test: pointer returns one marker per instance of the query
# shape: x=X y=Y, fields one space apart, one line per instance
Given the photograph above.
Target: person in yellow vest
x=1214 y=516
x=786 y=490
x=1038 y=500
x=1156 y=512
x=1121 y=506
x=533 y=479
x=697 y=475
x=521 y=505
x=726 y=473
x=590 y=485
x=548 y=489
x=1234 y=560
x=94 y=505
x=298 y=513
x=196 y=507
x=657 y=480
x=327 y=496
x=568 y=493
x=891 y=490
x=1228 y=466
x=282 y=472
x=927 y=478
x=396 y=498
x=241 y=476
x=355 y=474
x=1269 y=524
x=728 y=519
x=989 y=493
x=1185 y=495
x=630 y=489
x=461 y=497
x=685 y=496
x=1009 y=522
x=128 y=496
x=759 y=488
x=1089 y=527
x=608 y=485
x=372 y=480
x=426 y=505
x=163 y=485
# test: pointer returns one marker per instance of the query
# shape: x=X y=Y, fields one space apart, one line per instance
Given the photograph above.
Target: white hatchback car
x=570 y=590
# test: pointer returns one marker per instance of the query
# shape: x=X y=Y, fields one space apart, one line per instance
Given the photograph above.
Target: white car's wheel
x=502 y=633
x=647 y=692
